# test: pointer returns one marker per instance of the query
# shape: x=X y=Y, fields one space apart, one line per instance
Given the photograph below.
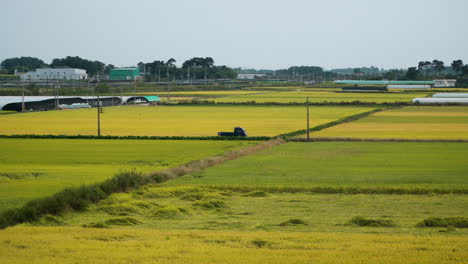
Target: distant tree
x=91 y=67
x=394 y=74
x=141 y=66
x=100 y=67
x=438 y=65
x=199 y=62
x=412 y=73
x=170 y=67
x=170 y=62
x=424 y=64
x=457 y=66
x=22 y=64
x=155 y=69
x=108 y=68
x=464 y=69
x=425 y=67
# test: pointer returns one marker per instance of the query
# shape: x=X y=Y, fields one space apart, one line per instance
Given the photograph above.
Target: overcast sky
x=268 y=34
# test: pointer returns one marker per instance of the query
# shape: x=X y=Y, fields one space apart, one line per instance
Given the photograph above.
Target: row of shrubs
x=76 y=198
x=135 y=137
x=339 y=189
x=330 y=124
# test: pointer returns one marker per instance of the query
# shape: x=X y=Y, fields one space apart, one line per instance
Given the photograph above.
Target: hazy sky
x=244 y=33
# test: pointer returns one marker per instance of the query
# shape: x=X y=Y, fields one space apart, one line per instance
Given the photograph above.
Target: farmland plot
x=34 y=168
x=418 y=122
x=173 y=120
x=359 y=164
x=322 y=97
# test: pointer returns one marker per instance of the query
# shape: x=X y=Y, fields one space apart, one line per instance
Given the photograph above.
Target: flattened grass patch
x=361 y=221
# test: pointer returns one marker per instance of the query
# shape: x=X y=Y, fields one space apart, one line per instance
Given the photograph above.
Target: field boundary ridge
x=338 y=189
x=343 y=139
x=49 y=136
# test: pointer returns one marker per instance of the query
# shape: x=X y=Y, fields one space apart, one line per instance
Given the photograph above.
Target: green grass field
x=418 y=122
x=322 y=97
x=33 y=168
x=363 y=164
x=189 y=207
x=173 y=120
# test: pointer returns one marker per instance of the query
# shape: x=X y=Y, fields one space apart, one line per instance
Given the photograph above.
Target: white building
x=445 y=83
x=62 y=73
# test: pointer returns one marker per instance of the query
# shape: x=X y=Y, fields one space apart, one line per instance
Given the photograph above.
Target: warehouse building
x=444 y=83
x=124 y=74
x=42 y=103
x=59 y=73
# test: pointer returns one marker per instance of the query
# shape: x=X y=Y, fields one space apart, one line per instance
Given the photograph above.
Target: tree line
x=424 y=70
x=24 y=64
x=194 y=68
x=158 y=70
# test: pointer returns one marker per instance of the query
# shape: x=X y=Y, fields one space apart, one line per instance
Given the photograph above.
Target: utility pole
x=98 y=107
x=308 y=122
x=22 y=96
x=134 y=86
x=188 y=74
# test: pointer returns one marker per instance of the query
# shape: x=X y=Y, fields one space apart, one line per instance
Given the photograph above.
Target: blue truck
x=238 y=132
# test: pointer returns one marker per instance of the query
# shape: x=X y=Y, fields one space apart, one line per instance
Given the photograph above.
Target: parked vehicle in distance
x=238 y=132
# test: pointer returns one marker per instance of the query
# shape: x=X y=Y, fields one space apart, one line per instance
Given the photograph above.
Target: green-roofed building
x=153 y=99
x=124 y=74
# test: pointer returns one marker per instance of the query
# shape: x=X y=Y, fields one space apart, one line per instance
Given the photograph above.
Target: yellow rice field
x=50 y=245
x=322 y=97
x=200 y=93
x=172 y=120
x=421 y=122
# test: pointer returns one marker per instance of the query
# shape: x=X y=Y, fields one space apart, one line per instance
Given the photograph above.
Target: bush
x=293 y=222
x=459 y=222
x=361 y=221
